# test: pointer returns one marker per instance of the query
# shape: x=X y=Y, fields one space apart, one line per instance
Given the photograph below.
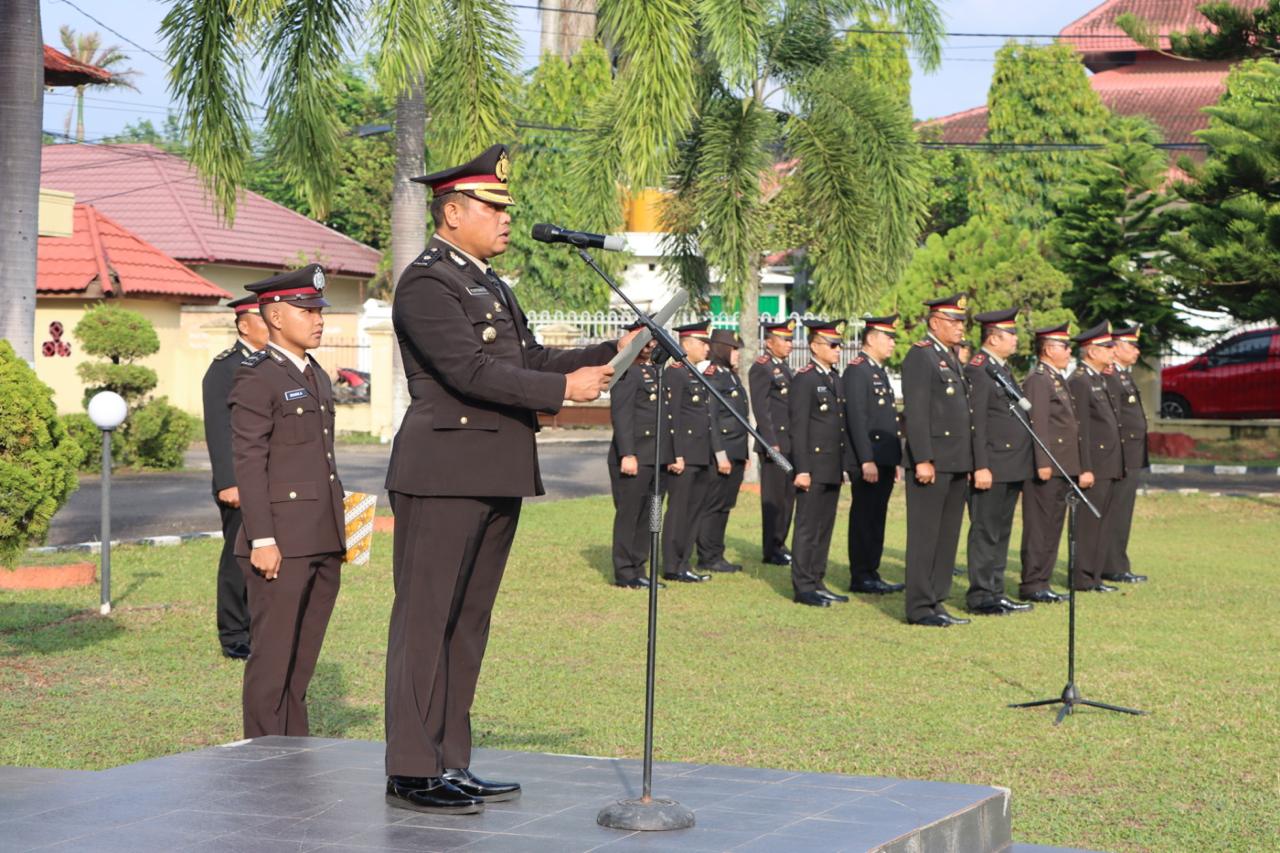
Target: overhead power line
x=116 y=33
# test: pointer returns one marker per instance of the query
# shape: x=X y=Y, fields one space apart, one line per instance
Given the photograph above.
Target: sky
x=960 y=83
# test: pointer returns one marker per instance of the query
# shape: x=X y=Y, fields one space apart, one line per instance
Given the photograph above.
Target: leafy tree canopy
x=1234 y=33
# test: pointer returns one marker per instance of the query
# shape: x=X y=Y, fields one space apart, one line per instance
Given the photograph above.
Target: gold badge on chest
x=489 y=335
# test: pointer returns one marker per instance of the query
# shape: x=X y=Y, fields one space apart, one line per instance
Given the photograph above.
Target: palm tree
x=87 y=48
x=710 y=95
x=21 y=104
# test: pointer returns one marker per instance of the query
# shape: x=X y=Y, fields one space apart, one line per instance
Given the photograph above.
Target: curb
x=153 y=541
x=1216 y=470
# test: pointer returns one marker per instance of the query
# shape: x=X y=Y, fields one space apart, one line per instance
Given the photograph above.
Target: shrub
x=158 y=437
x=120 y=336
x=38 y=459
x=83 y=432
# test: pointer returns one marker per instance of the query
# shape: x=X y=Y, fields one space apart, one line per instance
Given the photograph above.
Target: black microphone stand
x=646 y=812
x=1070 y=697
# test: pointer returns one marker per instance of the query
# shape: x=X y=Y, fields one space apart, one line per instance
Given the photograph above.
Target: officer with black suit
x=233 y=604
x=729 y=445
x=1100 y=453
x=690 y=472
x=293 y=538
x=464 y=458
x=1044 y=496
x=1133 y=438
x=770 y=380
x=633 y=403
x=877 y=452
x=939 y=454
x=1002 y=462
x=821 y=455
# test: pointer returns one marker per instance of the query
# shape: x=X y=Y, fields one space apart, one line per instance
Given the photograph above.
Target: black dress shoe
x=431 y=794
x=722 y=566
x=876 y=586
x=236 y=651
x=953 y=620
x=1045 y=596
x=1102 y=587
x=832 y=596
x=491 y=792
x=1013 y=606
x=777 y=560
x=1125 y=577
x=687 y=577
x=786 y=553
x=991 y=608
x=813 y=599
x=932 y=621
x=638 y=583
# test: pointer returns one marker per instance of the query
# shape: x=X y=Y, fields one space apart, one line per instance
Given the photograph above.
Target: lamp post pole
x=107 y=410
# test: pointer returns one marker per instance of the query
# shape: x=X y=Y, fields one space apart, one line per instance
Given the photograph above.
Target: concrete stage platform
x=281 y=795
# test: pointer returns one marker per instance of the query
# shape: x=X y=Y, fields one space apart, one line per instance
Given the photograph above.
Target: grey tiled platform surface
x=302 y=794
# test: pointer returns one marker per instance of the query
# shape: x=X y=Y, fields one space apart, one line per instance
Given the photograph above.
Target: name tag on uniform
x=478 y=291
x=296 y=394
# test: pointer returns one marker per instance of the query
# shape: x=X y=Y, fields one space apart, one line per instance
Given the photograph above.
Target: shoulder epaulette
x=806 y=368
x=226 y=353
x=675 y=365
x=763 y=359
x=255 y=359
x=925 y=343
x=857 y=359
x=429 y=257
x=1040 y=367
x=979 y=359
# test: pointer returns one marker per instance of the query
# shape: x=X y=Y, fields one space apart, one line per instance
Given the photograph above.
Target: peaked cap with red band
x=303 y=288
x=484 y=178
x=1098 y=336
x=888 y=325
x=830 y=330
x=1005 y=320
x=244 y=304
x=700 y=330
x=1128 y=334
x=784 y=329
x=1055 y=333
x=953 y=306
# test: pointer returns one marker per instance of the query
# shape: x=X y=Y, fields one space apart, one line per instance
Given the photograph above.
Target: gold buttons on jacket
x=293 y=496
x=696 y=398
x=822 y=408
x=331 y=477
x=488 y=316
x=299 y=410
x=946 y=432
x=653 y=397
x=462 y=420
x=817 y=450
x=489 y=335
x=950 y=390
x=880 y=401
x=497 y=306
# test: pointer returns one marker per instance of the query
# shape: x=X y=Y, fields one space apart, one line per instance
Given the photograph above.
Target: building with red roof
x=63 y=70
x=1129 y=78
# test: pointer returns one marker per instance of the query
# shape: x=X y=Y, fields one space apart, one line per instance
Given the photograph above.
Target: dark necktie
x=310 y=376
x=499 y=288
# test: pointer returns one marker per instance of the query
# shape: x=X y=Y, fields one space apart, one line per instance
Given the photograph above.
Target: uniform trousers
x=447 y=562
x=1123 y=498
x=866 y=523
x=1093 y=534
x=631 y=534
x=722 y=497
x=777 y=504
x=934 y=515
x=1044 y=506
x=287 y=620
x=233 y=601
x=815 y=521
x=686 y=501
x=990 y=528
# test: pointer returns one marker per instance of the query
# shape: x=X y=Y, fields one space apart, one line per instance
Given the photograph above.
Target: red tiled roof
x=1095 y=31
x=1169 y=92
x=161 y=197
x=122 y=263
x=62 y=70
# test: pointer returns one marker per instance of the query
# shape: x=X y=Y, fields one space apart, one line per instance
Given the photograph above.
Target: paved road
x=159 y=504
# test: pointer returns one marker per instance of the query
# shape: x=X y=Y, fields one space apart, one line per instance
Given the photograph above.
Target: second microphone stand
x=1070 y=696
x=646 y=812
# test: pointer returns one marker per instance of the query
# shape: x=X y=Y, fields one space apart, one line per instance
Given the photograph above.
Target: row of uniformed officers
x=959 y=441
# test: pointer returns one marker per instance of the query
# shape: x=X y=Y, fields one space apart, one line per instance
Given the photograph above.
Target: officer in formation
x=770 y=380
x=633 y=407
x=1101 y=456
x=939 y=457
x=821 y=455
x=1001 y=461
x=233 y=604
x=729 y=445
x=292 y=540
x=689 y=473
x=1133 y=438
x=877 y=452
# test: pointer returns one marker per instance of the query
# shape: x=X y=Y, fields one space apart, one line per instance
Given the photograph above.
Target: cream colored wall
x=56 y=213
x=343 y=292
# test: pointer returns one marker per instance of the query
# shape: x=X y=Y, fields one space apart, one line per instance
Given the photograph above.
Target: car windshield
x=1242 y=350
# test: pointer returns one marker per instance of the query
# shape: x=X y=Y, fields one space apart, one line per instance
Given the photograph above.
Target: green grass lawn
x=745 y=676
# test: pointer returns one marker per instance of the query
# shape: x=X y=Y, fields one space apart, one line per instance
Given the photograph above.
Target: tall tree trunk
x=22 y=105
x=79 y=113
x=565 y=26
x=749 y=332
x=408 y=214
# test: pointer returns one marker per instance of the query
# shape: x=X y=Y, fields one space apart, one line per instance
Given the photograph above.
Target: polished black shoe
x=777 y=560
x=931 y=622
x=1013 y=606
x=1102 y=587
x=991 y=608
x=953 y=620
x=813 y=599
x=1045 y=596
x=722 y=566
x=638 y=583
x=433 y=794
x=832 y=596
x=236 y=651
x=687 y=577
x=876 y=586
x=1125 y=577
x=490 y=792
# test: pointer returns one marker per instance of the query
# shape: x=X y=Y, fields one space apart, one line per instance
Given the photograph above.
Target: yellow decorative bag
x=359 y=509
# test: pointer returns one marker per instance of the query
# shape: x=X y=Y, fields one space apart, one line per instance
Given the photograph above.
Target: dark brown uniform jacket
x=935 y=400
x=476 y=378
x=283 y=438
x=1000 y=442
x=770 y=381
x=216 y=391
x=1100 y=450
x=1053 y=416
x=821 y=447
x=690 y=417
x=870 y=413
x=1133 y=420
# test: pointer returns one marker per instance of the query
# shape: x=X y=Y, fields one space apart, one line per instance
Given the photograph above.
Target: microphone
x=1010 y=390
x=548 y=233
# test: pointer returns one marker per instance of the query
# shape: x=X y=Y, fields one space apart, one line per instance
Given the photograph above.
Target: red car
x=1239 y=377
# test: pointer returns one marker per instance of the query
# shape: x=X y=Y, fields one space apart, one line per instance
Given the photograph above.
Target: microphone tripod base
x=1069 y=699
x=645 y=814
